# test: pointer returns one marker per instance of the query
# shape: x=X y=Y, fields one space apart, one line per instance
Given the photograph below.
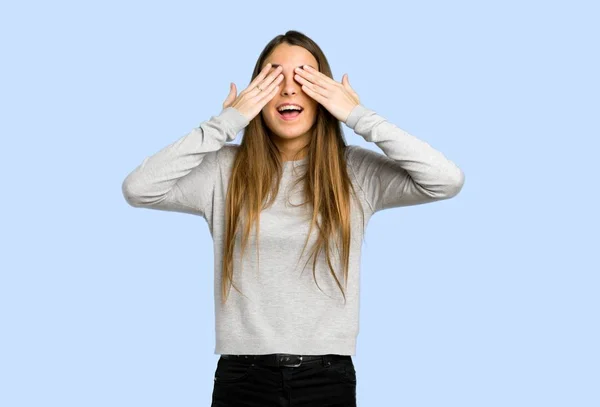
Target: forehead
x=290 y=56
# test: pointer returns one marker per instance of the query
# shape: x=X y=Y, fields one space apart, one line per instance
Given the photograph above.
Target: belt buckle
x=293 y=365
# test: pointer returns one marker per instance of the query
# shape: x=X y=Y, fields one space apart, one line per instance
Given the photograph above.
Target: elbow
x=128 y=191
x=455 y=184
x=139 y=194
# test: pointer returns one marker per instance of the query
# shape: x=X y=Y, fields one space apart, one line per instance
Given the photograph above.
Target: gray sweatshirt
x=281 y=309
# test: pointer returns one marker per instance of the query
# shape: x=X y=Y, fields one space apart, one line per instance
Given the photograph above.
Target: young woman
x=286 y=335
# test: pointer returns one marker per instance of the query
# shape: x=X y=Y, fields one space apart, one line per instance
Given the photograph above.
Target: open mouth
x=289 y=114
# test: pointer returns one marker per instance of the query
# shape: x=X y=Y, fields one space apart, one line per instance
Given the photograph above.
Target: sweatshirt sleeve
x=181 y=176
x=410 y=173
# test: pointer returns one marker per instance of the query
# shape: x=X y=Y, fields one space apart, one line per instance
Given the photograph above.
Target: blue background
x=487 y=299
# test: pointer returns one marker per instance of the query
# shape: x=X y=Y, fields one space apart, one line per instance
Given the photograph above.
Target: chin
x=290 y=131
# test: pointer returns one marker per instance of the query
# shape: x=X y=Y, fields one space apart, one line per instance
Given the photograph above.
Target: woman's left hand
x=338 y=98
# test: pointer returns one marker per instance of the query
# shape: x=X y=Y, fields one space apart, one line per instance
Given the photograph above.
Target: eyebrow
x=299 y=66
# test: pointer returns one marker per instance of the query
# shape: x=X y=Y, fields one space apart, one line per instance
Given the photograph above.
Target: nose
x=289 y=86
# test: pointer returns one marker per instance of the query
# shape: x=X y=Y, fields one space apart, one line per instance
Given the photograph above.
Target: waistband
x=286 y=359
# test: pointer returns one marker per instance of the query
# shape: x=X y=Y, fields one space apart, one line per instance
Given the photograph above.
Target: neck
x=290 y=149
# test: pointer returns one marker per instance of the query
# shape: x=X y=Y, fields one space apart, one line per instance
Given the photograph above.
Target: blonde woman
x=287 y=334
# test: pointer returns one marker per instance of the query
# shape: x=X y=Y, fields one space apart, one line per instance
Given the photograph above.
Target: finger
x=272 y=85
x=231 y=96
x=305 y=77
x=271 y=91
x=345 y=80
x=259 y=77
x=346 y=83
x=315 y=88
x=316 y=96
x=274 y=76
x=316 y=77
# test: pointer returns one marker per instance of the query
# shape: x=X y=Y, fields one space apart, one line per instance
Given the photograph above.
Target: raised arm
x=181 y=176
x=410 y=173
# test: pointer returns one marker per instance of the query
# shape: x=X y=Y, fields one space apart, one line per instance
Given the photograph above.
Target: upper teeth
x=290 y=107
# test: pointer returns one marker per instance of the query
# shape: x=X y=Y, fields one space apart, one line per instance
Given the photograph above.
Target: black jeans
x=315 y=383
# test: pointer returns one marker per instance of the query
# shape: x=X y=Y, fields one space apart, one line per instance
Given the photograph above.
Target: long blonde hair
x=257 y=171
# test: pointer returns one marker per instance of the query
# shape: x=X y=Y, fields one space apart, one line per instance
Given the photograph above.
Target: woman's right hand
x=251 y=100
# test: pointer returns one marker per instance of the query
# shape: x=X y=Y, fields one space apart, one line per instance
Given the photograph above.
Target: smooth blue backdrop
x=489 y=299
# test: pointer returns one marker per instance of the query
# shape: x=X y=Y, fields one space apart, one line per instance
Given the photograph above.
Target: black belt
x=285 y=359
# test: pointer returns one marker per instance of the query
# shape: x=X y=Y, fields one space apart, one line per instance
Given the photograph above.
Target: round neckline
x=287 y=163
